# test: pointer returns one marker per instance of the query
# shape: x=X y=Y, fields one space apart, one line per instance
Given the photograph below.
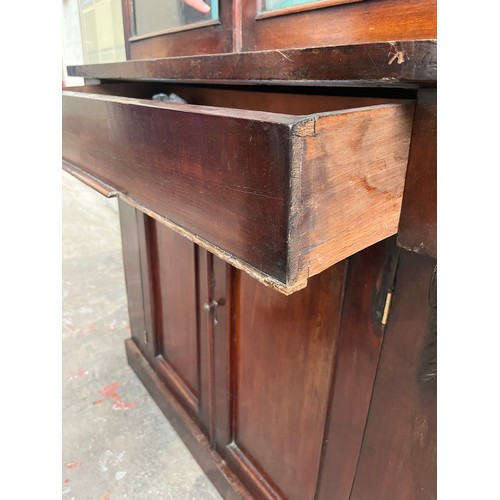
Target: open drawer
x=279 y=184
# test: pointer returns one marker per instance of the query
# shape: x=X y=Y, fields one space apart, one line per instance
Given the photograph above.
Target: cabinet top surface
x=390 y=64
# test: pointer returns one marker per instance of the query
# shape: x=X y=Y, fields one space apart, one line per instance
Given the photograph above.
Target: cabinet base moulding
x=209 y=460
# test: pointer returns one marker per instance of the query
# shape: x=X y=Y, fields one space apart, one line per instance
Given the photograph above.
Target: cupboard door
x=177 y=341
x=164 y=293
x=398 y=456
x=280 y=368
x=293 y=397
x=133 y=225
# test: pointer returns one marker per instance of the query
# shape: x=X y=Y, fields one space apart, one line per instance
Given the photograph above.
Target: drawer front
x=280 y=196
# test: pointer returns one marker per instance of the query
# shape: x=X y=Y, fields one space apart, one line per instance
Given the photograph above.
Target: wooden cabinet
x=279 y=238
x=267 y=377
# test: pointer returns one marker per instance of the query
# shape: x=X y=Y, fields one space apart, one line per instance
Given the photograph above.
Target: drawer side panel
x=223 y=179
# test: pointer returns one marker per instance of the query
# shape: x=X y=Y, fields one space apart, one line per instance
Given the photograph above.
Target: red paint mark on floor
x=66 y=481
x=110 y=392
x=105 y=495
x=120 y=405
x=78 y=374
x=73 y=465
x=98 y=402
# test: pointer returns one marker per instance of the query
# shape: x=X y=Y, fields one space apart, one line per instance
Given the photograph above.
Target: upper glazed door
x=166 y=28
x=163 y=28
x=284 y=24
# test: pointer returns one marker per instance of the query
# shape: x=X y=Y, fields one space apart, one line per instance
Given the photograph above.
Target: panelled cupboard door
x=294 y=374
x=164 y=293
x=281 y=365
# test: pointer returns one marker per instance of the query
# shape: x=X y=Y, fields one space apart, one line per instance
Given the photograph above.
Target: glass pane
x=283 y=4
x=159 y=15
x=101 y=24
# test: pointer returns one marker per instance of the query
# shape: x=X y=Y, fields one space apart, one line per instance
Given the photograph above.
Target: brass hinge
x=387 y=307
x=146 y=336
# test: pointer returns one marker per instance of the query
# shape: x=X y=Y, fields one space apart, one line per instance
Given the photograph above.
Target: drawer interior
x=284 y=100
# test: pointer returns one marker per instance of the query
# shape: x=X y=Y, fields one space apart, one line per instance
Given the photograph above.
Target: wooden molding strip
x=90 y=180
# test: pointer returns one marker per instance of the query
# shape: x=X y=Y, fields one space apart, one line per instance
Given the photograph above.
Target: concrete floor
x=116 y=442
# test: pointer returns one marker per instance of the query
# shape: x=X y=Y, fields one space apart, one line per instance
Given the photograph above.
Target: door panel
x=177 y=329
x=282 y=351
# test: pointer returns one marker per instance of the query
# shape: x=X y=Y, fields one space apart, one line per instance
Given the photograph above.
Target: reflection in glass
x=159 y=15
x=283 y=4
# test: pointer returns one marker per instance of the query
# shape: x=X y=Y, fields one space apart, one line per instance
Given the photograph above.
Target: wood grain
x=176 y=305
x=352 y=197
x=233 y=183
x=282 y=363
x=418 y=223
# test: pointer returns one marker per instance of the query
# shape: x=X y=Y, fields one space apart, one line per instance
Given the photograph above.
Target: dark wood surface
x=133 y=274
x=355 y=23
x=281 y=366
x=176 y=329
x=292 y=376
x=370 y=276
x=139 y=276
x=418 y=224
x=398 y=456
x=366 y=64
x=275 y=194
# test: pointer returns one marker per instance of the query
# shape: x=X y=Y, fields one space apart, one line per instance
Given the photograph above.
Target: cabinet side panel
x=177 y=327
x=283 y=362
x=398 y=456
x=418 y=224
